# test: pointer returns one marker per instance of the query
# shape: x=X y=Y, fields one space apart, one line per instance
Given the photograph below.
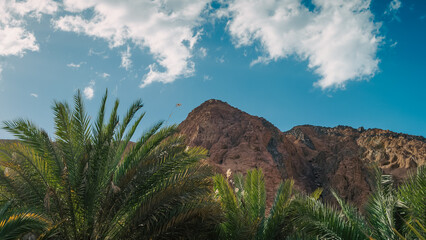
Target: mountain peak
x=214 y=105
x=214 y=102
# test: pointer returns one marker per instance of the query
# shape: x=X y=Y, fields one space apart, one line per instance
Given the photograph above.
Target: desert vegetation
x=90 y=182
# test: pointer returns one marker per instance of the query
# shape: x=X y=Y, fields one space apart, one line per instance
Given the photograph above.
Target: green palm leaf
x=92 y=183
x=244 y=207
x=14 y=223
x=389 y=214
x=411 y=194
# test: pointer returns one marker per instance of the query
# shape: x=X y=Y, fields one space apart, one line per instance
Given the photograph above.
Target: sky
x=293 y=62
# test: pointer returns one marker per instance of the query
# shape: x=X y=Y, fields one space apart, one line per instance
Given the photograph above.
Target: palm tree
x=14 y=223
x=389 y=213
x=90 y=182
x=244 y=206
x=412 y=194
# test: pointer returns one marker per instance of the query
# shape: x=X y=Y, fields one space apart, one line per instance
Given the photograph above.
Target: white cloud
x=394 y=5
x=393 y=8
x=34 y=95
x=220 y=59
x=207 y=78
x=102 y=75
x=339 y=40
x=89 y=91
x=126 y=62
x=93 y=52
x=15 y=39
x=100 y=53
x=32 y=8
x=75 y=65
x=166 y=28
x=203 y=52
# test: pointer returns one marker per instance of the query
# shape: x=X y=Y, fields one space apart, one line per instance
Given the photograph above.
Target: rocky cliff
x=337 y=158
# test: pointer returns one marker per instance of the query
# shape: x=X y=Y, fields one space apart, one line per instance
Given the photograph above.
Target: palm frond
x=353 y=216
x=381 y=207
x=244 y=207
x=411 y=194
x=316 y=219
x=278 y=212
x=255 y=198
x=15 y=223
x=38 y=140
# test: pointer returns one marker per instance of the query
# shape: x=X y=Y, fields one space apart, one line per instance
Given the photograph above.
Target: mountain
x=338 y=158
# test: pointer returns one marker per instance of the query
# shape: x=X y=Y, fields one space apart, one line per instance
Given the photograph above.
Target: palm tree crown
x=389 y=213
x=244 y=206
x=91 y=183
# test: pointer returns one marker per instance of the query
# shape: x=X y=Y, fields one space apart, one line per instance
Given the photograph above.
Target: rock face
x=337 y=158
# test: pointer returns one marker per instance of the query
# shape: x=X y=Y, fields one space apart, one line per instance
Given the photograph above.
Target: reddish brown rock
x=235 y=140
x=337 y=158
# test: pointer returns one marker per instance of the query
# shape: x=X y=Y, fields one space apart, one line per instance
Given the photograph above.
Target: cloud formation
x=95 y=53
x=394 y=5
x=393 y=8
x=15 y=39
x=202 y=52
x=89 y=91
x=75 y=65
x=166 y=28
x=339 y=40
x=34 y=95
x=207 y=78
x=126 y=62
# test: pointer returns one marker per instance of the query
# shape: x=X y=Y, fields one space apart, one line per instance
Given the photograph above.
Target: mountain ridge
x=329 y=157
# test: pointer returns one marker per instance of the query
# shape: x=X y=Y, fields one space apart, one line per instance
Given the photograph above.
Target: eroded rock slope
x=337 y=158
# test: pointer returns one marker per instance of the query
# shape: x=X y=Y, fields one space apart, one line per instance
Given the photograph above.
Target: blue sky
x=320 y=62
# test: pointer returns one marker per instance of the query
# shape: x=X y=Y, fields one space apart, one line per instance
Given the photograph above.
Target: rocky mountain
x=338 y=158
